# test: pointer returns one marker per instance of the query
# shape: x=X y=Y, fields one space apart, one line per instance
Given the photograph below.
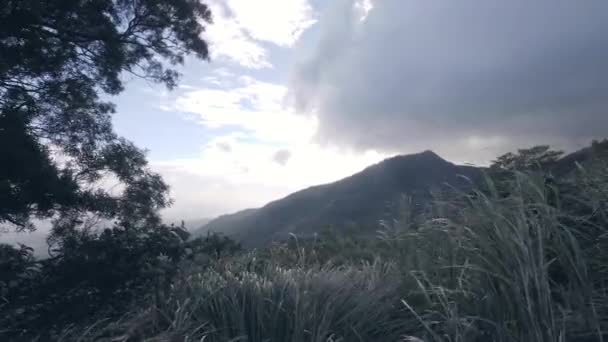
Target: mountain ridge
x=361 y=199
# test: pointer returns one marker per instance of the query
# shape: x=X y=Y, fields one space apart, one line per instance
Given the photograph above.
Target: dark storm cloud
x=420 y=74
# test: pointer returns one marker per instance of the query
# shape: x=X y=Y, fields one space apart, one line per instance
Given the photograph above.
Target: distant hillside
x=195 y=224
x=360 y=200
x=224 y=223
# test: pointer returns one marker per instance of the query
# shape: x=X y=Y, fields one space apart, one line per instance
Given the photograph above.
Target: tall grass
x=517 y=273
x=229 y=303
x=525 y=264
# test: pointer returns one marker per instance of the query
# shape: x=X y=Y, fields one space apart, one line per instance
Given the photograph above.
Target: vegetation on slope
x=356 y=202
x=522 y=258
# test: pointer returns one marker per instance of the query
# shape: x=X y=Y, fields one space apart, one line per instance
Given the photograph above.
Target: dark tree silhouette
x=525 y=159
x=57 y=59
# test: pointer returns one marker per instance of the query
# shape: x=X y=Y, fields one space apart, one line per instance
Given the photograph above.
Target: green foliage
x=96 y=275
x=57 y=59
x=527 y=159
x=215 y=245
x=525 y=265
x=17 y=268
x=227 y=302
x=523 y=258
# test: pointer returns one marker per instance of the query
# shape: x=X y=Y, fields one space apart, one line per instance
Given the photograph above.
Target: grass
x=529 y=266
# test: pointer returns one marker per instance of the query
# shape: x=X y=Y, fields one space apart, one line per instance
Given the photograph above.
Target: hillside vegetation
x=419 y=249
x=520 y=256
x=356 y=203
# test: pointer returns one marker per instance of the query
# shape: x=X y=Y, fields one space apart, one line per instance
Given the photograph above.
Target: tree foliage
x=59 y=63
x=57 y=60
x=526 y=159
x=95 y=275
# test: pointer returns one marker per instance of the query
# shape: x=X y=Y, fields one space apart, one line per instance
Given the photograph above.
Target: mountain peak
x=421 y=159
x=360 y=200
x=430 y=155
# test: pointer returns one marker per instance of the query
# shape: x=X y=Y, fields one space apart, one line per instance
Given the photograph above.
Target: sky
x=304 y=92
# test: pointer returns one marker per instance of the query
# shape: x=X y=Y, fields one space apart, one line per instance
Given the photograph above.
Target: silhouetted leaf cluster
x=57 y=60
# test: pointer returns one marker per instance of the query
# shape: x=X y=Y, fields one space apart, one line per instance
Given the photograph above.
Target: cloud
x=216 y=182
x=205 y=196
x=261 y=150
x=362 y=8
x=280 y=22
x=229 y=41
x=250 y=106
x=224 y=146
x=467 y=78
x=282 y=156
x=241 y=28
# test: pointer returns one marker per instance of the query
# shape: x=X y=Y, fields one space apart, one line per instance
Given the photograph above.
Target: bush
x=521 y=259
x=519 y=265
x=90 y=276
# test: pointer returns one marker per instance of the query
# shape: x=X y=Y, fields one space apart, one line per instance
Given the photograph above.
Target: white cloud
x=253 y=106
x=252 y=162
x=239 y=169
x=240 y=27
x=228 y=40
x=276 y=21
x=362 y=8
x=220 y=181
x=201 y=196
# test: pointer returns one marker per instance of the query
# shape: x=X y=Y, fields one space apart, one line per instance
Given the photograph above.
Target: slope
x=357 y=202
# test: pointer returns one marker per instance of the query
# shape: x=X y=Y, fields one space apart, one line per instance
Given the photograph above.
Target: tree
x=57 y=59
x=16 y=266
x=215 y=245
x=526 y=159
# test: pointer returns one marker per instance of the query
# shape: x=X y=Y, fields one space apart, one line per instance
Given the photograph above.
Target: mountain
x=227 y=224
x=194 y=224
x=360 y=200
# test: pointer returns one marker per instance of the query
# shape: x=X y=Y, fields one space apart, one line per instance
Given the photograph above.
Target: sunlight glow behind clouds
x=249 y=163
x=261 y=125
x=239 y=169
x=247 y=175
x=362 y=8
